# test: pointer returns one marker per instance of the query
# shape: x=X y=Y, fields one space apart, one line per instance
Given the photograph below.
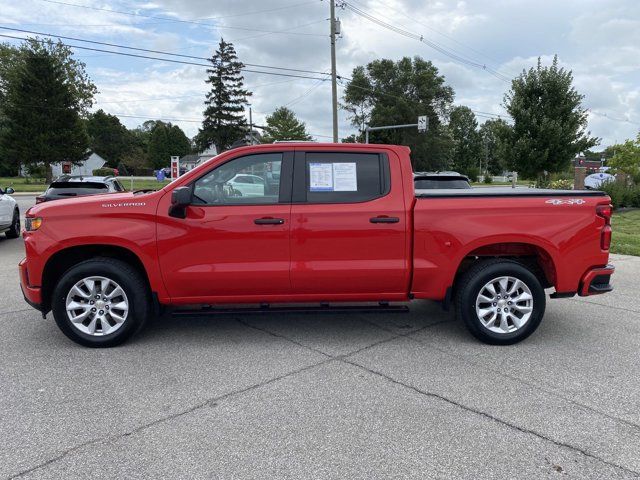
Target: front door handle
x=269 y=221
x=383 y=219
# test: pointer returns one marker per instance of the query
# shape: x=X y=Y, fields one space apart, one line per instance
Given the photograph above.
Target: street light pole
x=334 y=87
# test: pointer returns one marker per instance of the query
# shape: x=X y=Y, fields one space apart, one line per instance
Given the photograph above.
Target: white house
x=87 y=167
x=93 y=162
x=191 y=161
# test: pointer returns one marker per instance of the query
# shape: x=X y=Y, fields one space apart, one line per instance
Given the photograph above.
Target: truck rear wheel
x=101 y=302
x=500 y=301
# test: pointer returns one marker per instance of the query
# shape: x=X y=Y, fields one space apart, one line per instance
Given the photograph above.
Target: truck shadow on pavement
x=327 y=332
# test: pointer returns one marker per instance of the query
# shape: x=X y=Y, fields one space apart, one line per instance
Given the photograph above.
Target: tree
x=165 y=141
x=224 y=121
x=45 y=93
x=627 y=158
x=549 y=121
x=283 y=124
x=393 y=93
x=467 y=147
x=108 y=137
x=494 y=135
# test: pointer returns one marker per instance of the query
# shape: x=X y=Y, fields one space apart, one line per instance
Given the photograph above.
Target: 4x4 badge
x=569 y=201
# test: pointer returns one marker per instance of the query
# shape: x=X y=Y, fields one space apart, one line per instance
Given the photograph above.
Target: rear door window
x=336 y=177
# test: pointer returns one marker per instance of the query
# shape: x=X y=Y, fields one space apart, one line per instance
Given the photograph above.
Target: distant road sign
x=423 y=123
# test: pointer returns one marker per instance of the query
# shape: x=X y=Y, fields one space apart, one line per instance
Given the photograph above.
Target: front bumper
x=32 y=295
x=596 y=281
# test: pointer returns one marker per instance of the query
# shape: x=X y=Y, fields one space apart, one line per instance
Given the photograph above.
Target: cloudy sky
x=598 y=40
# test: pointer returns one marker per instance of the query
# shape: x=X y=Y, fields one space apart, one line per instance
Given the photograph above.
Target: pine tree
x=283 y=124
x=224 y=121
x=42 y=123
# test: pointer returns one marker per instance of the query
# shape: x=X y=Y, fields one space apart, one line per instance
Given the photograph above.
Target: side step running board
x=265 y=308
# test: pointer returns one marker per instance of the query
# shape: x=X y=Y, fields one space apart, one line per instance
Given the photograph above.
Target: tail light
x=605 y=211
x=39 y=199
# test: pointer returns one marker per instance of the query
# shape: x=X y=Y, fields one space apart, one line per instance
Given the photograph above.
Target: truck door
x=233 y=243
x=349 y=225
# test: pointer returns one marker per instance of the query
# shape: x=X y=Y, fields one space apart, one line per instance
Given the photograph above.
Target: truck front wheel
x=100 y=302
x=500 y=301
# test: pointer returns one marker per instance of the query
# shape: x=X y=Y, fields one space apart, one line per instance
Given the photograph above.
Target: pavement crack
x=491 y=417
x=575 y=300
x=277 y=335
x=18 y=311
x=207 y=402
x=528 y=384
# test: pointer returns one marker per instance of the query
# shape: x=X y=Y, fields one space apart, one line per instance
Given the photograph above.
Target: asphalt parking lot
x=375 y=395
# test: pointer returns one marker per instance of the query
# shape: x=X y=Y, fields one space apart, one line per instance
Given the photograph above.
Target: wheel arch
x=534 y=256
x=66 y=258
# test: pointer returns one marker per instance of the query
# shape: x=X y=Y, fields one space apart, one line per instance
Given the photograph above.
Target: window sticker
x=345 y=178
x=333 y=177
x=321 y=177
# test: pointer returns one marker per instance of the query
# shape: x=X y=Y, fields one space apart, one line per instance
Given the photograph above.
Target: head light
x=32 y=224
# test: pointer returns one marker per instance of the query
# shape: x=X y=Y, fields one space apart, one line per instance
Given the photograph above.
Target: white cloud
x=598 y=40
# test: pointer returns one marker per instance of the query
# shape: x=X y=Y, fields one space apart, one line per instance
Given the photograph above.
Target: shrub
x=104 y=172
x=472 y=173
x=561 y=184
x=622 y=196
x=488 y=179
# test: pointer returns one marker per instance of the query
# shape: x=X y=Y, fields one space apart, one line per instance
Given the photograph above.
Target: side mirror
x=180 y=200
x=9 y=191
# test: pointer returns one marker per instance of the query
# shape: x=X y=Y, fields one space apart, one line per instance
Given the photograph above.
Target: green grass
x=142 y=184
x=626 y=232
x=20 y=184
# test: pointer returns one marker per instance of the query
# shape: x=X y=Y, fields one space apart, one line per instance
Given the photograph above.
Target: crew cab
x=344 y=223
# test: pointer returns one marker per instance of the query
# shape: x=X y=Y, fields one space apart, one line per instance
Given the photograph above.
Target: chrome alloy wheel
x=97 y=306
x=504 y=305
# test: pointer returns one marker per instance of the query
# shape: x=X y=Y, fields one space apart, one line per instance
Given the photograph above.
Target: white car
x=247 y=185
x=597 y=180
x=9 y=214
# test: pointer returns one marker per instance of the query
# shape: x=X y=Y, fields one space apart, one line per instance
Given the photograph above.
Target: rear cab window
x=73 y=189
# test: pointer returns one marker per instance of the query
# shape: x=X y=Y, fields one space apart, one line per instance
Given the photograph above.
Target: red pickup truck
x=313 y=223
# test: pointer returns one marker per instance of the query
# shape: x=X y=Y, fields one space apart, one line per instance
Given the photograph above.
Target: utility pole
x=334 y=87
x=250 y=124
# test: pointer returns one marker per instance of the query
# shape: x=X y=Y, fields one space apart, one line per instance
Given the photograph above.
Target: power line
x=606 y=115
x=176 y=20
x=170 y=60
x=176 y=97
x=421 y=39
x=94 y=42
x=417 y=21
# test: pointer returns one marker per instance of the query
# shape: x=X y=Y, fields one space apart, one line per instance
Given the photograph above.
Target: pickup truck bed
x=506 y=192
x=324 y=223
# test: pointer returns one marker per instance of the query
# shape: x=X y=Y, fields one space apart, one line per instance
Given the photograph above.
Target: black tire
x=129 y=279
x=473 y=281
x=14 y=230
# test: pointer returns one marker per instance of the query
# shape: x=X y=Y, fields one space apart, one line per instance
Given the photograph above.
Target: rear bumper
x=596 y=281
x=32 y=295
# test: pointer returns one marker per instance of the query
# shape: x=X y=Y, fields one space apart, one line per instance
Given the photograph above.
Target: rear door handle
x=268 y=221
x=382 y=219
